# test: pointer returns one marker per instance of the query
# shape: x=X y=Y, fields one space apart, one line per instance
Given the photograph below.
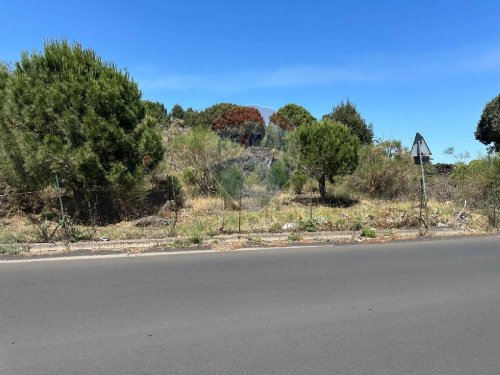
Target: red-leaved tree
x=244 y=125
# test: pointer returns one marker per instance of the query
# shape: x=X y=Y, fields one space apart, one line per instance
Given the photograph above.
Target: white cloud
x=375 y=71
x=293 y=76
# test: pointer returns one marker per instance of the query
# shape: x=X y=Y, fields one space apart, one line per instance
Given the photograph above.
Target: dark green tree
x=347 y=114
x=157 y=112
x=295 y=114
x=488 y=127
x=4 y=74
x=326 y=149
x=177 y=112
x=191 y=118
x=69 y=113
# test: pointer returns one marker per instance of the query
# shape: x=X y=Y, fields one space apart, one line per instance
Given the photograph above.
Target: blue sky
x=427 y=66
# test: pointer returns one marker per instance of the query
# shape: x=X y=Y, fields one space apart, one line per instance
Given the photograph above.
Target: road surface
x=426 y=307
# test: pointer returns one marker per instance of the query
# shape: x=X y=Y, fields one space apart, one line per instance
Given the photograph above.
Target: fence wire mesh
x=63 y=215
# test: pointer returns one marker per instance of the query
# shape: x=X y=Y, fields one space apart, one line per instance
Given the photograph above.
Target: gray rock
x=169 y=206
x=442 y=225
x=289 y=226
x=152 y=221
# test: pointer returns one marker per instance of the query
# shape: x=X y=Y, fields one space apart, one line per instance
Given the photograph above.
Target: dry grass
x=205 y=217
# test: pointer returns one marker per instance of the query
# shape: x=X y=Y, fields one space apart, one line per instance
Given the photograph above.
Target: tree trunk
x=322 y=188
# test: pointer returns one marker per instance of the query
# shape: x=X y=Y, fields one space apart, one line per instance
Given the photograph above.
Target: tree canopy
x=488 y=127
x=278 y=119
x=157 y=112
x=4 y=73
x=69 y=113
x=326 y=149
x=293 y=114
x=347 y=114
x=244 y=125
x=206 y=117
x=177 y=112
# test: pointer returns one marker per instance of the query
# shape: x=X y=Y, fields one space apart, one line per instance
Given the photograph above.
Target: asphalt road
x=429 y=307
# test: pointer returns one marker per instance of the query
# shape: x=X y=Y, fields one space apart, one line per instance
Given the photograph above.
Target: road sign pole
x=423 y=190
x=421 y=154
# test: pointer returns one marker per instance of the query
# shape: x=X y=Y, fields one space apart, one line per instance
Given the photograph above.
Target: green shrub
x=9 y=246
x=478 y=183
x=294 y=237
x=309 y=225
x=368 y=232
x=297 y=181
x=385 y=171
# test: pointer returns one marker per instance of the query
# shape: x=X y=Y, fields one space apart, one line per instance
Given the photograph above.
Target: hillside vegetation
x=84 y=156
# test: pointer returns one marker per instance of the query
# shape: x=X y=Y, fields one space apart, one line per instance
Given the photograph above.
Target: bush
x=478 y=183
x=297 y=181
x=196 y=239
x=385 y=173
x=368 y=232
x=309 y=225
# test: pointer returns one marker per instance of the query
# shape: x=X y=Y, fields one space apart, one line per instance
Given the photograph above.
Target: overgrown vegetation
x=478 y=186
x=385 y=171
x=84 y=156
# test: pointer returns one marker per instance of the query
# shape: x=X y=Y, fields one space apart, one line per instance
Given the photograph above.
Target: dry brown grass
x=205 y=217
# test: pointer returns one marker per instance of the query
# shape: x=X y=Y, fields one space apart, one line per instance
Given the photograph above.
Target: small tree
x=488 y=127
x=294 y=115
x=326 y=149
x=347 y=114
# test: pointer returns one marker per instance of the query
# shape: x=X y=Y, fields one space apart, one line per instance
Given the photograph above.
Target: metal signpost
x=422 y=155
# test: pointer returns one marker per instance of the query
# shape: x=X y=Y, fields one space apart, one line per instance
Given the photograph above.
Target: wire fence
x=59 y=214
x=50 y=216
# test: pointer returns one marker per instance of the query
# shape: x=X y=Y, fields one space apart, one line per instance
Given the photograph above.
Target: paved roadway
x=427 y=307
